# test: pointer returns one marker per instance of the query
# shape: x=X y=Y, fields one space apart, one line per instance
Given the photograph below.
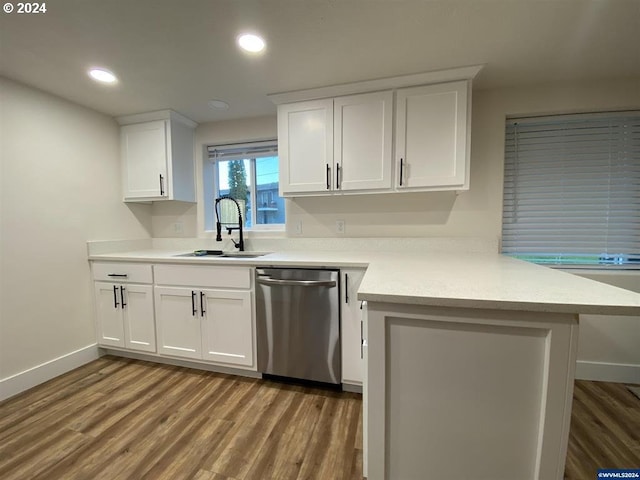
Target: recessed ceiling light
x=251 y=43
x=102 y=75
x=218 y=105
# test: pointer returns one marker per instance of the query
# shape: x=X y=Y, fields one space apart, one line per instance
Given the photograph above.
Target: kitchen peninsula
x=470 y=357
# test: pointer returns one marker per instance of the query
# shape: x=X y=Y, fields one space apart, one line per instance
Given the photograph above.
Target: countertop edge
x=471 y=303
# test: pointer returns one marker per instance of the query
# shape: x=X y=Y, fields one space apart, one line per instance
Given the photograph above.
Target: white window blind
x=241 y=151
x=572 y=189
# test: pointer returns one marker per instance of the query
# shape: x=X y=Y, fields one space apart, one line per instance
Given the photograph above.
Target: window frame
x=251 y=173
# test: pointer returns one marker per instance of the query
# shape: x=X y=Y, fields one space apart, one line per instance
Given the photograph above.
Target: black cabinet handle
x=115 y=297
x=202 y=310
x=401 y=168
x=328 y=177
x=337 y=175
x=161 y=185
x=117 y=275
x=361 y=341
x=193 y=303
x=346 y=288
x=122 y=303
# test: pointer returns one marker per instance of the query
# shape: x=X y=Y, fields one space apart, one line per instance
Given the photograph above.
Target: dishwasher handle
x=296 y=283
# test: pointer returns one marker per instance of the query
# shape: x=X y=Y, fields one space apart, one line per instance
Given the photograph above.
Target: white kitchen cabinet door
x=109 y=315
x=137 y=311
x=351 y=327
x=178 y=320
x=432 y=137
x=305 y=146
x=362 y=141
x=227 y=327
x=144 y=159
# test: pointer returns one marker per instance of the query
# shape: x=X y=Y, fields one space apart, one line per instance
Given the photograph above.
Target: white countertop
x=463 y=280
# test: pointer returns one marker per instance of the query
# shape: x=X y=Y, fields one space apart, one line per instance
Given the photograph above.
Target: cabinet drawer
x=122 y=272
x=217 y=276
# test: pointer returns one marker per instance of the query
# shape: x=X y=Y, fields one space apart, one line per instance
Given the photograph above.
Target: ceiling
x=181 y=54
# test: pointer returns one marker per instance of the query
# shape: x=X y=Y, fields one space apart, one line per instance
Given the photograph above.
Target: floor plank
x=129 y=419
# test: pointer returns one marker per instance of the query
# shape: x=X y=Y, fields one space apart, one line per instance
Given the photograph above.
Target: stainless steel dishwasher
x=298 y=323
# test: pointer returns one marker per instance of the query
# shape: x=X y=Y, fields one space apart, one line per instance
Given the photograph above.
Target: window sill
x=279 y=232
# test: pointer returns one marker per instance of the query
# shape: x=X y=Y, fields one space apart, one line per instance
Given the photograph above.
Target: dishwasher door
x=298 y=323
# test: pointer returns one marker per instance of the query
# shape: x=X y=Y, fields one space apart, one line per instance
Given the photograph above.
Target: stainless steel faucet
x=240 y=243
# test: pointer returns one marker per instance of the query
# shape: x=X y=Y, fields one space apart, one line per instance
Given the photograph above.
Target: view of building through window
x=254 y=180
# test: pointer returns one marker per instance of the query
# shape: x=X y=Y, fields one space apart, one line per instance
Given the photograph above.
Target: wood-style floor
x=126 y=419
x=605 y=429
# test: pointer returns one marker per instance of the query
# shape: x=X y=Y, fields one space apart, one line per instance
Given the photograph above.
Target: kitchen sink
x=243 y=255
x=221 y=254
x=201 y=253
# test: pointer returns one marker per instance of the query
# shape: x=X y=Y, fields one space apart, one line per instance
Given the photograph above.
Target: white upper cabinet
x=362 y=141
x=340 y=139
x=432 y=125
x=305 y=146
x=157 y=157
x=341 y=144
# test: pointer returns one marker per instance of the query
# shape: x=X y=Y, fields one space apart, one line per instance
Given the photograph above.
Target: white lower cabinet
x=212 y=324
x=227 y=327
x=351 y=327
x=124 y=305
x=125 y=316
x=178 y=321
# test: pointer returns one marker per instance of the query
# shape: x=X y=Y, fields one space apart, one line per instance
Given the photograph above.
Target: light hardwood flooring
x=126 y=419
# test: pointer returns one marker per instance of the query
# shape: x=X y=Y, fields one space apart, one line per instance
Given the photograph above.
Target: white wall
x=60 y=187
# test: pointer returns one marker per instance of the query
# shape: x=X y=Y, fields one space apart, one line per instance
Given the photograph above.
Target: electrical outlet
x=297 y=227
x=177 y=227
x=340 y=226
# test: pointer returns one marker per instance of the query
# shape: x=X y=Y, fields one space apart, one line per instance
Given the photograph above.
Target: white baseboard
x=22 y=381
x=176 y=362
x=608 y=372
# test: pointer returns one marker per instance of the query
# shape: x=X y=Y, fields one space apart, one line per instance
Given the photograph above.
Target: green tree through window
x=238 y=183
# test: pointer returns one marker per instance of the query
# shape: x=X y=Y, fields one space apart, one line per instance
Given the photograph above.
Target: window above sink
x=248 y=172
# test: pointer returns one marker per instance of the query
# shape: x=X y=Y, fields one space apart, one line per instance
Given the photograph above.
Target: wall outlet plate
x=297 y=227
x=340 y=226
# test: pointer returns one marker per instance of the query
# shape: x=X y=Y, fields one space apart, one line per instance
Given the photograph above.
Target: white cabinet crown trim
x=426 y=78
x=157 y=115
